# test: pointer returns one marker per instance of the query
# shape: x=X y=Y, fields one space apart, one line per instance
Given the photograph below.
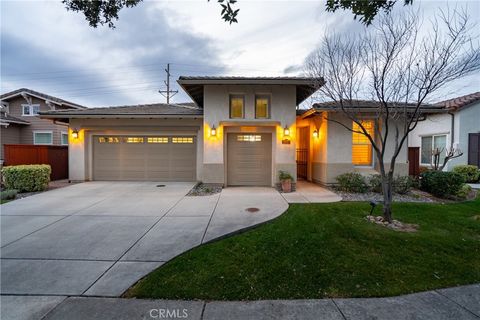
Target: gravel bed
x=412 y=196
x=205 y=189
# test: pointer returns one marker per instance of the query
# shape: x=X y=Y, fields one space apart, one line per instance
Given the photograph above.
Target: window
x=431 y=143
x=64 y=139
x=30 y=110
x=262 y=107
x=237 y=104
x=109 y=140
x=133 y=139
x=249 y=137
x=157 y=140
x=43 y=137
x=361 y=146
x=182 y=140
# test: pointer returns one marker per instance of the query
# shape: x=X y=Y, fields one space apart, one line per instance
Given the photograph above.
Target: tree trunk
x=387 y=197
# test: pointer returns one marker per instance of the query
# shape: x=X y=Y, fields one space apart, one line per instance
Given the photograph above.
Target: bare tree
x=436 y=157
x=398 y=63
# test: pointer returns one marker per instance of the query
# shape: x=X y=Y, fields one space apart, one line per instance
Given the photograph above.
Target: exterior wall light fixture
x=75 y=134
x=315 y=133
x=213 y=131
x=286 y=131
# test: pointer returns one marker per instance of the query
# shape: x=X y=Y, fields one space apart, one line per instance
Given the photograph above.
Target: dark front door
x=474 y=149
x=414 y=161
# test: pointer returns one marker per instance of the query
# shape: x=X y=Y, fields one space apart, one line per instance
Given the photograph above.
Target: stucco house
x=20 y=123
x=240 y=132
x=457 y=127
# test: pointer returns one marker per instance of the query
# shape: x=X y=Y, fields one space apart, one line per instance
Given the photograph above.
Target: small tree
x=437 y=163
x=399 y=68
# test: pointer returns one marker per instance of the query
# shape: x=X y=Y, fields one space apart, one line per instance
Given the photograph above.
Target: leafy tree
x=365 y=9
x=106 y=11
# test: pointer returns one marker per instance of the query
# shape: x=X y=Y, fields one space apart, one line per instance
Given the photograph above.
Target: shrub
x=469 y=172
x=402 y=184
x=284 y=175
x=8 y=194
x=352 y=182
x=441 y=184
x=27 y=178
x=464 y=191
x=375 y=183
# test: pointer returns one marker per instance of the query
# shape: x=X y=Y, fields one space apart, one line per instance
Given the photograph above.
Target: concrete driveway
x=99 y=238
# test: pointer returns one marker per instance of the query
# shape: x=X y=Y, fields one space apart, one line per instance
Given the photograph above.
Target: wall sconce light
x=315 y=133
x=213 y=131
x=75 y=134
x=286 y=131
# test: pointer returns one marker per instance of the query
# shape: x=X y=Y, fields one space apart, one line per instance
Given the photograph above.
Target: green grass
x=328 y=250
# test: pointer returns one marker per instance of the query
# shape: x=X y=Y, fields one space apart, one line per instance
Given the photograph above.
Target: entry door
x=249 y=159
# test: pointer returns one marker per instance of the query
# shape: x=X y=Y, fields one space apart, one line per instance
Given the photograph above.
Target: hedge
x=27 y=178
x=470 y=173
x=441 y=184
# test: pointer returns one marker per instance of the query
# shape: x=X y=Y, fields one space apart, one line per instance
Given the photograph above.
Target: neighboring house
x=458 y=127
x=20 y=124
x=241 y=131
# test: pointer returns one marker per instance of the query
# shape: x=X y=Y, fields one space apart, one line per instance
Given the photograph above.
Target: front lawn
x=329 y=250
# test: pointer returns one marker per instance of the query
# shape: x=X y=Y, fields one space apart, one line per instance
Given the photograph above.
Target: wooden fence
x=55 y=156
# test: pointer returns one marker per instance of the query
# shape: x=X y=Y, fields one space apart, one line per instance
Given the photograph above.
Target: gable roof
x=155 y=110
x=194 y=85
x=460 y=102
x=58 y=101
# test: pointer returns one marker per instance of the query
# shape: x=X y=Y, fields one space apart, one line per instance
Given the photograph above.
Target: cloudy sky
x=46 y=48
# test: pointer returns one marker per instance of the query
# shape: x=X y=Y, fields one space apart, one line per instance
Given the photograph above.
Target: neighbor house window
x=43 y=137
x=361 y=146
x=262 y=107
x=30 y=110
x=64 y=138
x=431 y=143
x=237 y=106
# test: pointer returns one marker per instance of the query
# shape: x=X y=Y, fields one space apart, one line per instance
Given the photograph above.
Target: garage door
x=249 y=159
x=149 y=158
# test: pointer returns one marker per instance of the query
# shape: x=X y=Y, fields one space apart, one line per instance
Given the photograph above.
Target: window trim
x=433 y=143
x=30 y=110
x=269 y=104
x=61 y=138
x=43 y=131
x=230 y=105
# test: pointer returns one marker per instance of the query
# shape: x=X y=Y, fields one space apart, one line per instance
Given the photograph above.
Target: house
x=20 y=124
x=458 y=127
x=241 y=131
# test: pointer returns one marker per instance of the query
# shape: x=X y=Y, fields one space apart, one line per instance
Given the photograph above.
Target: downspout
x=452 y=130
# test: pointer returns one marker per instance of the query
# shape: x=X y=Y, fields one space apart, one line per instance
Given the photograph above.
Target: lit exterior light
x=75 y=134
x=213 y=131
x=286 y=131
x=315 y=133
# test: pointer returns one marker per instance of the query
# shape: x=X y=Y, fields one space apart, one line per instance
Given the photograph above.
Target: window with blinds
x=361 y=146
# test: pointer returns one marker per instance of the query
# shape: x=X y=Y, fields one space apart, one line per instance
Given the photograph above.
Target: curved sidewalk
x=445 y=304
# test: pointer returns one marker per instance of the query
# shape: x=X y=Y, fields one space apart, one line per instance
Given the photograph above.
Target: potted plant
x=286 y=181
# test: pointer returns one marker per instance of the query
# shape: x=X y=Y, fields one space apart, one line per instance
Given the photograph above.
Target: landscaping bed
x=329 y=250
x=205 y=189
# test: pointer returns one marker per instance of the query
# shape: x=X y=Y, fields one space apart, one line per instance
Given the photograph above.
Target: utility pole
x=166 y=93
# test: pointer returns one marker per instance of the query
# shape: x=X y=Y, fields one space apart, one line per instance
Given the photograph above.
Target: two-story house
x=20 y=124
x=241 y=132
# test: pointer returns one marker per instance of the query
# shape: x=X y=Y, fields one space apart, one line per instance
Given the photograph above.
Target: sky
x=46 y=48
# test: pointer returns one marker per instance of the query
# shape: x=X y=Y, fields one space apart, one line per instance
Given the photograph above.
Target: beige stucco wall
x=216 y=113
x=80 y=150
x=332 y=150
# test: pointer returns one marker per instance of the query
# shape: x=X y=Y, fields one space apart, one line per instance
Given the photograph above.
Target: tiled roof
x=6 y=118
x=141 y=109
x=229 y=78
x=18 y=92
x=459 y=102
x=364 y=105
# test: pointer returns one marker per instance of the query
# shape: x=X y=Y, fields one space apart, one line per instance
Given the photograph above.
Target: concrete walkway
x=445 y=304
x=308 y=192
x=99 y=238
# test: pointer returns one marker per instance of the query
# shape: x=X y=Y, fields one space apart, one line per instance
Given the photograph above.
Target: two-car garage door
x=149 y=158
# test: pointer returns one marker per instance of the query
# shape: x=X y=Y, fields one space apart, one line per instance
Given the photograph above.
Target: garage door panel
x=153 y=159
x=249 y=159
